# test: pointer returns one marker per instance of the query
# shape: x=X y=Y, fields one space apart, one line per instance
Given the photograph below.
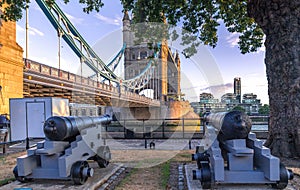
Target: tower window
x=143 y=54
x=133 y=56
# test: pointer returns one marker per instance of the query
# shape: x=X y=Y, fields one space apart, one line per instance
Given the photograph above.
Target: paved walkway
x=139 y=144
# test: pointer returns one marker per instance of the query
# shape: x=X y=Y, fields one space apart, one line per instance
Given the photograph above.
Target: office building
x=237 y=88
x=208 y=103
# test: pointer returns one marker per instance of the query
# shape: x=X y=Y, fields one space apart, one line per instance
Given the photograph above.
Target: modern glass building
x=237 y=88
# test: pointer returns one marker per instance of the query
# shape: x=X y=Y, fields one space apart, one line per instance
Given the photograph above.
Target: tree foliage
x=265 y=109
x=13 y=8
x=238 y=108
x=200 y=18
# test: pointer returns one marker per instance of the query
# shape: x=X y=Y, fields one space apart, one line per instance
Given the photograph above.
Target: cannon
x=58 y=128
x=231 y=154
x=4 y=122
x=229 y=125
x=70 y=142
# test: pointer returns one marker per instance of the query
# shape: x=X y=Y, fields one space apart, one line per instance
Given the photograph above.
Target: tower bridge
x=165 y=82
x=26 y=78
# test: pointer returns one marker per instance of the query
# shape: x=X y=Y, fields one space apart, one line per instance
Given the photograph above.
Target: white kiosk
x=27 y=115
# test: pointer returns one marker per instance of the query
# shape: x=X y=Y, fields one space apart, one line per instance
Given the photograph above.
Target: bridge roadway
x=44 y=81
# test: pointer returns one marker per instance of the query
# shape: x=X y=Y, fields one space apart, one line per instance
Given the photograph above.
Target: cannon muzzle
x=231 y=125
x=58 y=128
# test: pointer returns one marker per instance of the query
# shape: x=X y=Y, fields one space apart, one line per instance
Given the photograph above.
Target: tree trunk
x=280 y=21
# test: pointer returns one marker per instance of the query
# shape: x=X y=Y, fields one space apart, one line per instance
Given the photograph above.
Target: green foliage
x=265 y=109
x=201 y=114
x=199 y=19
x=14 y=8
x=165 y=172
x=238 y=108
x=6 y=181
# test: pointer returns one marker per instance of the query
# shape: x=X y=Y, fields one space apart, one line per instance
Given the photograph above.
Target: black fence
x=155 y=129
x=169 y=128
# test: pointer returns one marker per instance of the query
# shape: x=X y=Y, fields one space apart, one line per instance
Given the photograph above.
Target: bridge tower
x=11 y=65
x=166 y=80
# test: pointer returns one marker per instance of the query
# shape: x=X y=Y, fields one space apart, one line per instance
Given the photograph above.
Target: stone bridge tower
x=11 y=65
x=166 y=80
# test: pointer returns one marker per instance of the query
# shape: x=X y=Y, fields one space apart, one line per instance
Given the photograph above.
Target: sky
x=210 y=70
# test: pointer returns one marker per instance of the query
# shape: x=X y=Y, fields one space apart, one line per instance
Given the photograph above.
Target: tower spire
x=126 y=16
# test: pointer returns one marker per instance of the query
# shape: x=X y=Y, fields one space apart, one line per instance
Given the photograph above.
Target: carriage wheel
x=80 y=172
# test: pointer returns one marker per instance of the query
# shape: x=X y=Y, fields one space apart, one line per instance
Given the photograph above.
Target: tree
x=277 y=19
x=265 y=109
x=238 y=108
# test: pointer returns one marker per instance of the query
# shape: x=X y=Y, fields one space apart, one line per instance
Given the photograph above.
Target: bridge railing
x=64 y=75
x=36 y=67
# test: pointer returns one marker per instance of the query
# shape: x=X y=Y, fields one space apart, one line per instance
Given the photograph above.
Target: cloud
x=20 y=28
x=218 y=90
x=219 y=87
x=32 y=31
x=233 y=39
x=261 y=49
x=74 y=20
x=113 y=21
x=204 y=87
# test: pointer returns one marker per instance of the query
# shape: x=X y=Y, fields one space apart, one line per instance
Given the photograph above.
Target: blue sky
x=210 y=67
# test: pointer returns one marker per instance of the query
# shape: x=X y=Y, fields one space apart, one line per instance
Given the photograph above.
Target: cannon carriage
x=70 y=142
x=231 y=154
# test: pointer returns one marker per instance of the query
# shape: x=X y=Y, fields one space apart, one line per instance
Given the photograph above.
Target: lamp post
x=26 y=29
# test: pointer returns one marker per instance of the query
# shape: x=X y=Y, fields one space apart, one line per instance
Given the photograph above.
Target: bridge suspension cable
x=81 y=48
x=114 y=63
x=87 y=55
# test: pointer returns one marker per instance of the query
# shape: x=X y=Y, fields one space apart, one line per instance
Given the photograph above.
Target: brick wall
x=11 y=66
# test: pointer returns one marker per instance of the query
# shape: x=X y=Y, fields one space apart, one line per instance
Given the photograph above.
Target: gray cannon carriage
x=70 y=142
x=231 y=154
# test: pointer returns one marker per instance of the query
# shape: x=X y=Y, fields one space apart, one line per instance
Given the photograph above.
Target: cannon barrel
x=231 y=125
x=59 y=128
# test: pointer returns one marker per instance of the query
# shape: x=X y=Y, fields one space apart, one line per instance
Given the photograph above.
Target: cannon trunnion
x=231 y=154
x=70 y=142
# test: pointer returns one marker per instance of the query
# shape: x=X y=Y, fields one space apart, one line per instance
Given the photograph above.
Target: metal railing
x=181 y=128
x=260 y=122
x=155 y=129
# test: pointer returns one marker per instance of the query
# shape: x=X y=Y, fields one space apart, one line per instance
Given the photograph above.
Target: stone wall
x=180 y=109
x=11 y=66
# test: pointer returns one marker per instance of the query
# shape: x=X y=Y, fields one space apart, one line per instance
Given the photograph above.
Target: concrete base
x=195 y=184
x=101 y=175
